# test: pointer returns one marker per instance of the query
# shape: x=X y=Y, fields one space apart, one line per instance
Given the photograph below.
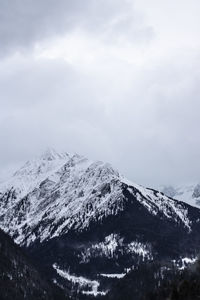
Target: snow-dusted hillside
x=55 y=193
x=187 y=193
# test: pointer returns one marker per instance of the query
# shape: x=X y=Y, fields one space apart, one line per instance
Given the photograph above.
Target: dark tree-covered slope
x=153 y=281
x=18 y=277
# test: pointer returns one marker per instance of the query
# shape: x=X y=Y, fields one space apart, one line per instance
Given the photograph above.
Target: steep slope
x=56 y=193
x=18 y=278
x=88 y=226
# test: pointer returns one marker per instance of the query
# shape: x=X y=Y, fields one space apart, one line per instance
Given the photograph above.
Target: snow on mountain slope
x=56 y=192
x=113 y=244
x=33 y=172
x=80 y=281
x=189 y=194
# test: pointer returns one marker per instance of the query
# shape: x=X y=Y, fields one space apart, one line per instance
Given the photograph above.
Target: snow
x=156 y=202
x=55 y=192
x=109 y=245
x=183 y=263
x=118 y=276
x=105 y=248
x=81 y=282
x=95 y=294
x=113 y=245
x=140 y=249
x=69 y=190
x=186 y=261
x=188 y=193
x=33 y=173
x=9 y=276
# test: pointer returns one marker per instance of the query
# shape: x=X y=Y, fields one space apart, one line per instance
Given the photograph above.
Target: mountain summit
x=87 y=225
x=55 y=193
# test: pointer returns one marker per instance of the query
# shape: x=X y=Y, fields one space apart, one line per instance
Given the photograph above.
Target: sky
x=114 y=80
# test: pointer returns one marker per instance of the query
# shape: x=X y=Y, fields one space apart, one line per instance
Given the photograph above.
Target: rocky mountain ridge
x=50 y=195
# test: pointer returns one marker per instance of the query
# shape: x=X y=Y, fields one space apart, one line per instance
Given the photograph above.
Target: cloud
x=112 y=80
x=147 y=129
x=24 y=23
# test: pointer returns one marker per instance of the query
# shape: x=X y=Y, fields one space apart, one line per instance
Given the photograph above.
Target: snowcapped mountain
x=187 y=193
x=87 y=225
x=54 y=193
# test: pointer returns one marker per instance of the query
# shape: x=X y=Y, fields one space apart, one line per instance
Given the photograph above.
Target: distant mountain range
x=87 y=226
x=187 y=193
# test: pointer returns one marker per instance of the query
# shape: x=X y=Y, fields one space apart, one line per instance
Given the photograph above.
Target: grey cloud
x=149 y=133
x=144 y=119
x=25 y=22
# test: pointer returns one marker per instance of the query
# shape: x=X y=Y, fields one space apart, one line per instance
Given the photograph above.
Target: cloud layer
x=113 y=80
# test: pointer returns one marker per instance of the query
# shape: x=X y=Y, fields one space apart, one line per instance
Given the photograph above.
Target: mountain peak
x=74 y=192
x=52 y=154
x=96 y=215
x=49 y=160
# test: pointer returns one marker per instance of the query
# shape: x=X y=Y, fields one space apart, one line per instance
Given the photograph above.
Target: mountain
x=18 y=277
x=187 y=193
x=88 y=226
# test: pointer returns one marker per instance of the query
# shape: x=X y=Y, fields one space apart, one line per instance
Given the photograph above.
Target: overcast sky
x=115 y=80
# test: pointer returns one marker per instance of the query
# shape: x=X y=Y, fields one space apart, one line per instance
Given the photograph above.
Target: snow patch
x=140 y=249
x=81 y=282
x=106 y=248
x=183 y=263
x=186 y=261
x=118 y=276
